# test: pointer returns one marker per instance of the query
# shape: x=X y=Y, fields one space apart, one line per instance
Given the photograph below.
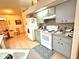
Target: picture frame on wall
x=18 y=22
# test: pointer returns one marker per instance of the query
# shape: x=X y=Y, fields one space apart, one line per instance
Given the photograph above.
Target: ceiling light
x=35 y=1
x=8 y=11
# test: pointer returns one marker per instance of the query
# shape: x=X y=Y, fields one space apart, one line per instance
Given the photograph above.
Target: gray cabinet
x=41 y=15
x=62 y=45
x=51 y=11
x=47 y=12
x=37 y=35
x=65 y=12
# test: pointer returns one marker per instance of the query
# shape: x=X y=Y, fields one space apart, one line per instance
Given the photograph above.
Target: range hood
x=50 y=17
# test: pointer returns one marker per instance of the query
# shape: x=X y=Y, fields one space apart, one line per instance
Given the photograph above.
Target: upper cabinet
x=44 y=13
x=40 y=15
x=51 y=11
x=65 y=12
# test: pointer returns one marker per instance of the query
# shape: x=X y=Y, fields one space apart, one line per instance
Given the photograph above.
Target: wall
x=11 y=21
x=76 y=34
x=25 y=22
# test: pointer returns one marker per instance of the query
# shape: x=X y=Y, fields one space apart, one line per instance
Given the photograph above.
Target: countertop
x=16 y=53
x=3 y=55
x=53 y=33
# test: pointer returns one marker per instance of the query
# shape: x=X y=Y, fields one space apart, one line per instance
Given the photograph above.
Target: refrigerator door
x=32 y=26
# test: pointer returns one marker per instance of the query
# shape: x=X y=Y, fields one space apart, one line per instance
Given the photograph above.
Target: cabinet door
x=65 y=12
x=56 y=43
x=51 y=11
x=65 y=49
x=37 y=36
x=41 y=15
x=67 y=45
x=45 y=12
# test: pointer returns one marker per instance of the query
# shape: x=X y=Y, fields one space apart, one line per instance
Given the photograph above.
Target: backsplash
x=61 y=25
x=69 y=26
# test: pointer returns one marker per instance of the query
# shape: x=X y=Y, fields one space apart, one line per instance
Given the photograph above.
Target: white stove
x=47 y=36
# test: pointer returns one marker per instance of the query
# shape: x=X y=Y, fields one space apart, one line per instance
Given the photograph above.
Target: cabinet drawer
x=63 y=39
x=66 y=40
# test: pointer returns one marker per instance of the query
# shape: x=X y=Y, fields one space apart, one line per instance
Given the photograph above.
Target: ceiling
x=27 y=3
x=17 y=6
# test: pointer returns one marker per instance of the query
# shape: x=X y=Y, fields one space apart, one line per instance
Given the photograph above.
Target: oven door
x=46 y=40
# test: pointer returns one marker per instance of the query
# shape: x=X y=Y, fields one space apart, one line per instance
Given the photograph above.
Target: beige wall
x=11 y=21
x=76 y=34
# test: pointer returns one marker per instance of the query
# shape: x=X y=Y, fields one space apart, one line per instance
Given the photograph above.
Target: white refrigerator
x=32 y=26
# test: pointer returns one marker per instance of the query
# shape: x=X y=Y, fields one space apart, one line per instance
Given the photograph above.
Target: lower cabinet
x=61 y=46
x=37 y=36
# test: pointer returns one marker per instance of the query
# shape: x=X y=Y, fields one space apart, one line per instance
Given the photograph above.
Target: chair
x=17 y=32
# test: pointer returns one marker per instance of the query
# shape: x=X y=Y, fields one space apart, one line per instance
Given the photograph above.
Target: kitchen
x=56 y=27
x=51 y=29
